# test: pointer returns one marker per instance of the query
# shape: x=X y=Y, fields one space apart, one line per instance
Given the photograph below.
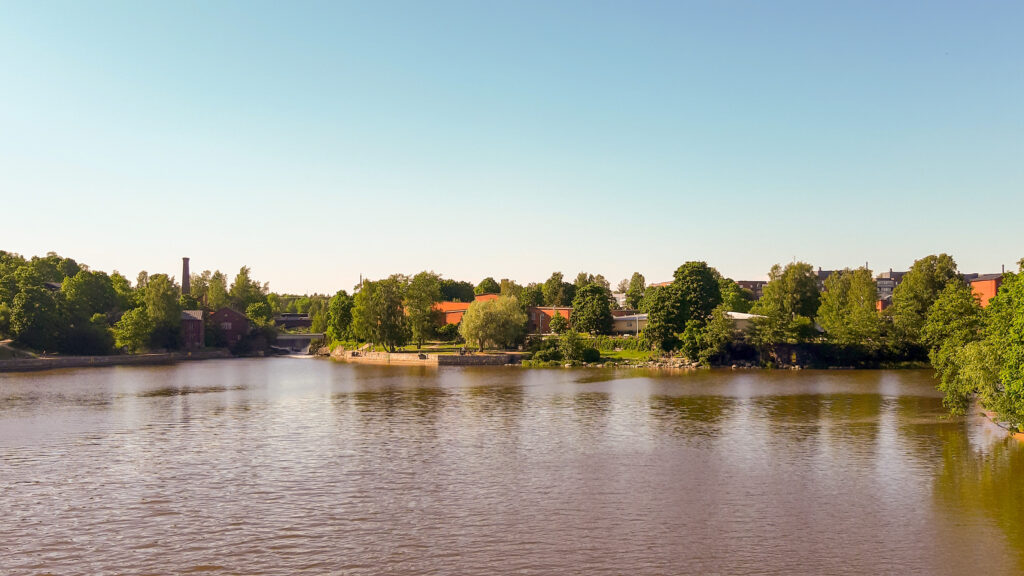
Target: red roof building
x=452 y=312
x=192 y=332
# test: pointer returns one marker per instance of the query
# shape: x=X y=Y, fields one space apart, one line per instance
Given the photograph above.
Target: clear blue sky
x=318 y=141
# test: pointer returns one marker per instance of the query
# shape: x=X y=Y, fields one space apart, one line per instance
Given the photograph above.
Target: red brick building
x=538 y=318
x=232 y=323
x=452 y=312
x=986 y=286
x=193 y=333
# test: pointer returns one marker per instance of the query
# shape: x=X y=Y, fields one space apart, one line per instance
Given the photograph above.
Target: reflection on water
x=284 y=465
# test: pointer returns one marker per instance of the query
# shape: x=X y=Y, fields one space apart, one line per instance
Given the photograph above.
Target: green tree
x=953 y=322
x=788 y=305
x=848 y=312
x=708 y=343
x=635 y=292
x=133 y=330
x=487 y=286
x=217 y=296
x=533 y=295
x=456 y=291
x=339 y=316
x=734 y=297
x=35 y=319
x=161 y=300
x=1003 y=351
x=662 y=307
x=126 y=295
x=245 y=291
x=378 y=315
x=557 y=292
x=500 y=322
x=918 y=291
x=318 y=313
x=591 y=309
x=423 y=292
x=696 y=286
x=558 y=324
x=259 y=314
x=87 y=293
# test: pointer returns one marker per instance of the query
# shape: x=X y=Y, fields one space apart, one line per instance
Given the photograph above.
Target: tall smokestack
x=186 y=280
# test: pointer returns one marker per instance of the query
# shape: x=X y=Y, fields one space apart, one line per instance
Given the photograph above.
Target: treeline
x=55 y=304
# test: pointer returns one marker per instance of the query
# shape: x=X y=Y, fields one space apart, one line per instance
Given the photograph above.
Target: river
x=276 y=466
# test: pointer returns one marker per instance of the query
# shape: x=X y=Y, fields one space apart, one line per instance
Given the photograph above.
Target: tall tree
x=217 y=296
x=35 y=319
x=918 y=291
x=245 y=291
x=339 y=316
x=487 y=286
x=591 y=310
x=635 y=292
x=533 y=295
x=696 y=285
x=161 y=300
x=423 y=291
x=87 y=293
x=788 y=303
x=954 y=321
x=378 y=315
x=557 y=292
x=848 y=312
x=662 y=307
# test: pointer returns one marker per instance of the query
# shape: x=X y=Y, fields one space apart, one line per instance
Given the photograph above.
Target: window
x=225 y=325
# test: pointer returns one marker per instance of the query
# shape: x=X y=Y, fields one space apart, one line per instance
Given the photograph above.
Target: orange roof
x=452 y=306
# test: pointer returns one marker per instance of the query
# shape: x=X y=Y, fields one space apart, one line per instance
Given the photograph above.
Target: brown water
x=284 y=465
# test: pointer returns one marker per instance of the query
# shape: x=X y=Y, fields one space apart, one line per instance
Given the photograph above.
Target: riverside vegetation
x=53 y=303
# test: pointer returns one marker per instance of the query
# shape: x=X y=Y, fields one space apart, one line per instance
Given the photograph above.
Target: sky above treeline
x=316 y=142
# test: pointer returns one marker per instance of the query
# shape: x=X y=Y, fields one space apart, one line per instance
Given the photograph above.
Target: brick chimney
x=186 y=280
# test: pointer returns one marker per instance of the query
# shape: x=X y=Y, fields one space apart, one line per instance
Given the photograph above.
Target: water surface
x=273 y=466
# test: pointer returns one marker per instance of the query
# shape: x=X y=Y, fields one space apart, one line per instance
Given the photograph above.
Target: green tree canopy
x=954 y=321
x=456 y=291
x=217 y=296
x=635 y=292
x=339 y=316
x=848 y=311
x=918 y=291
x=87 y=293
x=423 y=292
x=557 y=292
x=378 y=315
x=133 y=330
x=35 y=319
x=487 y=286
x=662 y=307
x=591 y=309
x=789 y=303
x=696 y=286
x=558 y=324
x=259 y=314
x=500 y=322
x=161 y=300
x=245 y=291
x=734 y=297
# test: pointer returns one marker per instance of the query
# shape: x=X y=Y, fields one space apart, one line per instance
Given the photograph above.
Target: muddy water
x=283 y=465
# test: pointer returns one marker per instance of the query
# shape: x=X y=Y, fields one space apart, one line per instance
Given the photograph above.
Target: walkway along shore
x=55 y=362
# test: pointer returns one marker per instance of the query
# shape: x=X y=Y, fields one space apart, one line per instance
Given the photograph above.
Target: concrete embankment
x=422 y=359
x=55 y=362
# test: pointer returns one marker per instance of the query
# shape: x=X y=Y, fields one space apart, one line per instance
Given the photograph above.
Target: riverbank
x=423 y=359
x=57 y=362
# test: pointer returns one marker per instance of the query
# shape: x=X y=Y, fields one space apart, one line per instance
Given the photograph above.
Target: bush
x=448 y=333
x=591 y=355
